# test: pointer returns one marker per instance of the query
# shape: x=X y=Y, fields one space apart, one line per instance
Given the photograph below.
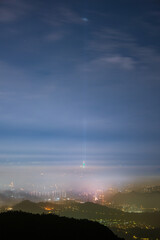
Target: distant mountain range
x=29 y=207
x=139 y=199
x=146 y=200
x=95 y=212
x=87 y=210
x=20 y=225
x=9 y=197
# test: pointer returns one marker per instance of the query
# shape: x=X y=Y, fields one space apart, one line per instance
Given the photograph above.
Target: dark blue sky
x=80 y=80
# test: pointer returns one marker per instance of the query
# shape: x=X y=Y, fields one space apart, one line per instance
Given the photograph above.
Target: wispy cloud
x=11 y=10
x=120 y=49
x=55 y=36
x=121 y=62
x=124 y=62
x=110 y=40
x=61 y=15
x=58 y=18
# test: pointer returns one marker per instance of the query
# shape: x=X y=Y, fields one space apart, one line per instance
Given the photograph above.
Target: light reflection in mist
x=89 y=178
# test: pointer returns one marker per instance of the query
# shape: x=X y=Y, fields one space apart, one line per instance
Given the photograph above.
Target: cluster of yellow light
x=9 y=209
x=134 y=237
x=48 y=208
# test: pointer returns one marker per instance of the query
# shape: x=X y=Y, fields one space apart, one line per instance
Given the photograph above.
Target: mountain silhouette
x=28 y=206
x=87 y=210
x=21 y=225
x=147 y=200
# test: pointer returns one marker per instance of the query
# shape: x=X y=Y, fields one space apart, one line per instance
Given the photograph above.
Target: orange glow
x=48 y=208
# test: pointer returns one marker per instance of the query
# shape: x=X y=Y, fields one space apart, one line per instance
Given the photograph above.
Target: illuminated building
x=83 y=164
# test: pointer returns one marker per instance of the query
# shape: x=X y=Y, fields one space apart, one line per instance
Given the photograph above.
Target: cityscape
x=131 y=212
x=80 y=119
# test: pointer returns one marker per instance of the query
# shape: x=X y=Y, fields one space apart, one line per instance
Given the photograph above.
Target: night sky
x=80 y=81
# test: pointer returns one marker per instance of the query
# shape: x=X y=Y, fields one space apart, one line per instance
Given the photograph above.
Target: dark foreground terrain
x=20 y=225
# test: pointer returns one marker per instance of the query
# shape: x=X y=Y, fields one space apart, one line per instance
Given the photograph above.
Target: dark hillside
x=21 y=225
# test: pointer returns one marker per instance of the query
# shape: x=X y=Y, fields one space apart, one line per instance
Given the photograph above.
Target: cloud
x=102 y=63
x=116 y=48
x=61 y=15
x=54 y=36
x=12 y=10
x=69 y=16
x=58 y=17
x=119 y=61
x=59 y=151
x=110 y=39
x=7 y=15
